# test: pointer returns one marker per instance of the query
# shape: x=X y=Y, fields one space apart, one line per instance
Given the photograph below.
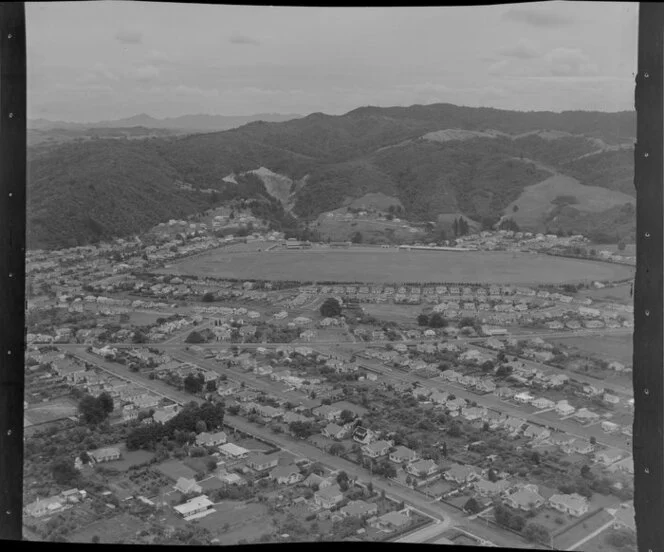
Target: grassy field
x=110 y=531
x=367 y=264
x=535 y=201
x=175 y=469
x=574 y=534
x=245 y=521
x=47 y=412
x=609 y=347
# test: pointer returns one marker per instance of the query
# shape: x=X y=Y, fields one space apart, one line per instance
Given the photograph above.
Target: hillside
x=435 y=160
x=89 y=192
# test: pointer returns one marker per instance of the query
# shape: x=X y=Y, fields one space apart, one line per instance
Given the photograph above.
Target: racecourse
x=380 y=265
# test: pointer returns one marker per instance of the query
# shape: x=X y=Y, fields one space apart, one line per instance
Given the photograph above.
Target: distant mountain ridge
x=434 y=160
x=194 y=123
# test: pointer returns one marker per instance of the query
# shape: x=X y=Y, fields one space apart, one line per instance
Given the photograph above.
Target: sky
x=93 y=61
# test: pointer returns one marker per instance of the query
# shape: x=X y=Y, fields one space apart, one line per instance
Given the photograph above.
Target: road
x=490 y=401
x=446 y=515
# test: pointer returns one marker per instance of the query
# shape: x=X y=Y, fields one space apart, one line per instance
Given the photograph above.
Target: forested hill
x=435 y=159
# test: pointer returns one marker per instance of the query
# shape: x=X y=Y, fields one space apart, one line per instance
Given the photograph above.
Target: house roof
x=284 y=471
x=332 y=491
x=525 y=496
x=574 y=501
x=378 y=446
x=358 y=508
x=333 y=428
x=423 y=465
x=194 y=504
x=403 y=452
x=394 y=518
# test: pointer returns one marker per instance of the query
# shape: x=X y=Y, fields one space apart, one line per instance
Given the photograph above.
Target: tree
x=515 y=208
x=64 y=472
x=208 y=297
x=422 y=320
x=201 y=426
x=487 y=366
x=192 y=384
x=105 y=402
x=493 y=476
x=357 y=237
x=211 y=464
x=195 y=337
x=536 y=532
x=211 y=386
x=337 y=449
x=92 y=411
x=437 y=320
x=346 y=416
x=330 y=308
x=621 y=245
x=95 y=539
x=472 y=506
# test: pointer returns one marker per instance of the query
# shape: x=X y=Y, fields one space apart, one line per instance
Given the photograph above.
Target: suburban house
x=514 y=425
x=328 y=497
x=206 y=439
x=359 y=509
x=583 y=415
x=403 y=454
x=261 y=462
x=231 y=450
x=578 y=446
x=504 y=392
x=461 y=474
x=105 y=454
x=563 y=408
x=333 y=431
x=422 y=468
x=609 y=427
x=328 y=412
x=608 y=456
x=471 y=413
x=572 y=504
x=363 y=435
x=536 y=432
x=524 y=397
x=194 y=506
x=286 y=475
x=391 y=521
x=486 y=488
x=377 y=449
x=44 y=506
x=524 y=499
x=316 y=480
x=186 y=486
x=542 y=403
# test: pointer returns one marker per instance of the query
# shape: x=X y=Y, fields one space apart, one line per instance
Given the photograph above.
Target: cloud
x=538 y=16
x=129 y=36
x=524 y=49
x=570 y=62
x=144 y=73
x=243 y=39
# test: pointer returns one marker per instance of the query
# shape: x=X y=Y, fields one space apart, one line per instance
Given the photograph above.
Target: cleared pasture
x=368 y=264
x=608 y=347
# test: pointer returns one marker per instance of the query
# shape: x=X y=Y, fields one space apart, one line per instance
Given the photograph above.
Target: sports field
x=367 y=264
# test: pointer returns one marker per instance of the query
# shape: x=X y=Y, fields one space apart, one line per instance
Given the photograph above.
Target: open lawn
x=110 y=531
x=175 y=469
x=130 y=458
x=245 y=521
x=366 y=264
x=574 y=534
x=609 y=347
x=47 y=412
